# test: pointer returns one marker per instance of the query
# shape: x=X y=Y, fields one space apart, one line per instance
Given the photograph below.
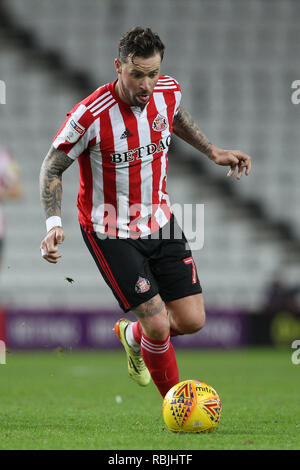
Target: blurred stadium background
x=236 y=62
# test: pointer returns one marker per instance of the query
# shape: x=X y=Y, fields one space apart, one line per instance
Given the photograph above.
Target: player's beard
x=132 y=98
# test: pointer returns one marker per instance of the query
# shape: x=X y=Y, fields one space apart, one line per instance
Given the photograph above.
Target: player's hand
x=234 y=159
x=49 y=246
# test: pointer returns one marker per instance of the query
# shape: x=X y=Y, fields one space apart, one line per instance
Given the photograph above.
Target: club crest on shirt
x=142 y=285
x=160 y=123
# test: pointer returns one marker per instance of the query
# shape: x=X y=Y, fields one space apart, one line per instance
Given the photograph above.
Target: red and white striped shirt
x=123 y=158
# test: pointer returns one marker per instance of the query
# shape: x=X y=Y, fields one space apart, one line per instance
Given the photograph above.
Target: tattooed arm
x=54 y=164
x=185 y=128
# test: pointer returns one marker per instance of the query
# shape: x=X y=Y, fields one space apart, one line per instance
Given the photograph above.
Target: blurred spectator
x=282 y=296
x=10 y=187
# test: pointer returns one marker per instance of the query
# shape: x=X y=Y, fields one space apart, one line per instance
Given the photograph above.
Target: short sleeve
x=178 y=94
x=76 y=133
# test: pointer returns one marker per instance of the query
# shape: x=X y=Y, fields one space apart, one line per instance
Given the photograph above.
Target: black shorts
x=138 y=269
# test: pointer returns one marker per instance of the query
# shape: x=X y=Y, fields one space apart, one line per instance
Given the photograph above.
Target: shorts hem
x=177 y=297
x=126 y=310
x=138 y=304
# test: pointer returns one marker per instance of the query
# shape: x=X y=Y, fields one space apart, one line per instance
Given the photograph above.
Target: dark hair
x=140 y=42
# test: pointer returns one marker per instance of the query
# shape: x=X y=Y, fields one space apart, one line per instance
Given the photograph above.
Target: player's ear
x=118 y=65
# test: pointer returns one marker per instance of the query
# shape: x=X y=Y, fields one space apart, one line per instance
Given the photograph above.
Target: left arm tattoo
x=185 y=128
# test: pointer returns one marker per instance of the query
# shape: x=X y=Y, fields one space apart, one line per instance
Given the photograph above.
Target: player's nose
x=145 y=85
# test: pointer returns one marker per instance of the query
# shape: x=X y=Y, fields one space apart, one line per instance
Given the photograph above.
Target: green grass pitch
x=68 y=400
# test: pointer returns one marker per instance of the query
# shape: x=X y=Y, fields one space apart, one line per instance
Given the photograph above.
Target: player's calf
x=156 y=348
x=191 y=325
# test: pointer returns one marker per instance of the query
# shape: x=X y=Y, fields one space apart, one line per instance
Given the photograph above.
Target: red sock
x=137 y=332
x=160 y=359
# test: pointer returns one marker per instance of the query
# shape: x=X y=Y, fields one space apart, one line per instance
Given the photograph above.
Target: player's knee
x=158 y=328
x=154 y=319
x=200 y=320
x=193 y=323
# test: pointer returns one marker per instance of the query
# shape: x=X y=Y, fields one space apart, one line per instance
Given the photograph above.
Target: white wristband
x=53 y=221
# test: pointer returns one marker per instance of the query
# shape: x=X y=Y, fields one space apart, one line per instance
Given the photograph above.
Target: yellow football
x=192 y=406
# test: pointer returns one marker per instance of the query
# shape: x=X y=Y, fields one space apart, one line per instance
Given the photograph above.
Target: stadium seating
x=236 y=62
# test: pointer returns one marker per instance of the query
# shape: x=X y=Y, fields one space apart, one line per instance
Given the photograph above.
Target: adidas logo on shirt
x=126 y=134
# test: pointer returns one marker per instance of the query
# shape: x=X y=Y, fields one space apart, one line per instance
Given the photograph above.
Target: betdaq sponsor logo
x=140 y=152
